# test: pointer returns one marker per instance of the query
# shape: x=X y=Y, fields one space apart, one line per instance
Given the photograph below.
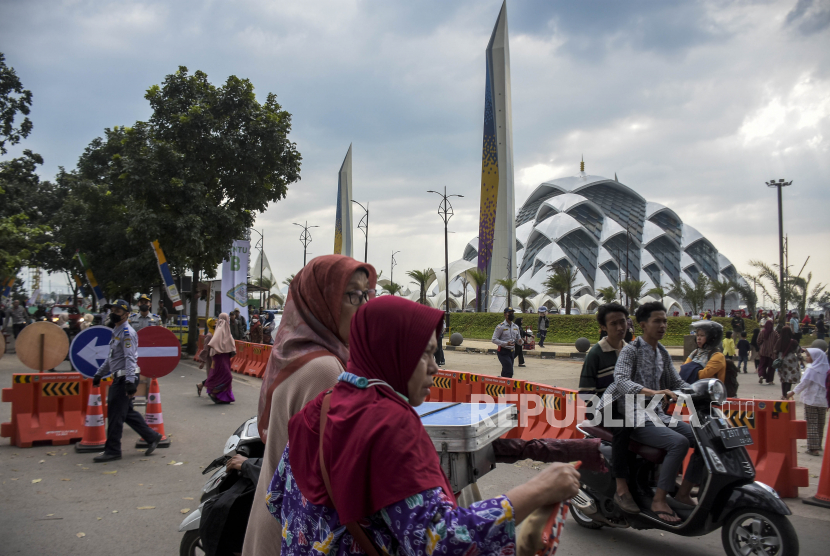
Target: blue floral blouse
x=421 y=525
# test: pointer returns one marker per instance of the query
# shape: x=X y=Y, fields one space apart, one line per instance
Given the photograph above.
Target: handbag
x=777 y=363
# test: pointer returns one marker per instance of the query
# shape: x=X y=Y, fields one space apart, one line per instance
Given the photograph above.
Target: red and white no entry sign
x=159 y=351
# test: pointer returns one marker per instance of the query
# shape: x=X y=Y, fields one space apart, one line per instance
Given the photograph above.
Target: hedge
x=569 y=328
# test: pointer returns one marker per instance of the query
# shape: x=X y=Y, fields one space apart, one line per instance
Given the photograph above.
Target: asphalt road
x=72 y=495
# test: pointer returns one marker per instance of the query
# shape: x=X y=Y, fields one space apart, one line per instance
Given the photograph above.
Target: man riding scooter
x=644 y=367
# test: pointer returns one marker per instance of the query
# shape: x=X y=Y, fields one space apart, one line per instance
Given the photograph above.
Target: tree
x=721 y=288
x=804 y=296
x=275 y=298
x=770 y=284
x=748 y=295
x=421 y=278
x=555 y=285
x=209 y=159
x=508 y=284
x=694 y=295
x=288 y=280
x=659 y=292
x=14 y=99
x=523 y=294
x=392 y=288
x=609 y=294
x=633 y=290
x=563 y=278
x=479 y=278
x=464 y=283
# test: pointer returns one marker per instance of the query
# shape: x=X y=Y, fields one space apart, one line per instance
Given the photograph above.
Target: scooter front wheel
x=191 y=544
x=755 y=531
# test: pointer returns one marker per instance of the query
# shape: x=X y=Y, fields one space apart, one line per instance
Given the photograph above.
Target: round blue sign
x=90 y=349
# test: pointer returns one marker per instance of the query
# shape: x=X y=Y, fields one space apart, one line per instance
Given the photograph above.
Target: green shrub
x=569 y=328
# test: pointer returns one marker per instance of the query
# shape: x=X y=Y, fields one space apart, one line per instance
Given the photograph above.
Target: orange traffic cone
x=95 y=434
x=152 y=414
x=822 y=497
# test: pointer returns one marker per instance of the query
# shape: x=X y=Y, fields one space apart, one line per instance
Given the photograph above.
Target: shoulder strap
x=354 y=528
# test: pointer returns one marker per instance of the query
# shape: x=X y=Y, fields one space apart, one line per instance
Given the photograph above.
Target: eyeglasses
x=358 y=297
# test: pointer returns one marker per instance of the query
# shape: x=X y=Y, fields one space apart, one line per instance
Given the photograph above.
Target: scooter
x=750 y=514
x=223 y=491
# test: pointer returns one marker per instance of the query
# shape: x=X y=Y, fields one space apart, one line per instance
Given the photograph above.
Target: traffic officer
x=144 y=317
x=507 y=336
x=121 y=362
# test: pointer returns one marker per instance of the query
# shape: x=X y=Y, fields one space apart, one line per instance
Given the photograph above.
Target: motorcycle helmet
x=714 y=333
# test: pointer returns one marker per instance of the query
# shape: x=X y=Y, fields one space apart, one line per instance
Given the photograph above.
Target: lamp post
x=261 y=245
x=363 y=225
x=445 y=212
x=392 y=270
x=782 y=297
x=305 y=238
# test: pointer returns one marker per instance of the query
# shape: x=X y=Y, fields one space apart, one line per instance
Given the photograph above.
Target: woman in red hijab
x=310 y=350
x=361 y=475
x=766 y=342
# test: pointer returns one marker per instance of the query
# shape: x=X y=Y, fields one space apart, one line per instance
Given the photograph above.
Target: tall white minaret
x=343 y=238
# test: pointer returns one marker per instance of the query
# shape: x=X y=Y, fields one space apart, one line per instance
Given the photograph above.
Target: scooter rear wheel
x=191 y=544
x=755 y=531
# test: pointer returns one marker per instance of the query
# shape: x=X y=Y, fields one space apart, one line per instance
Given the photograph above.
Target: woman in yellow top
x=729 y=346
x=708 y=337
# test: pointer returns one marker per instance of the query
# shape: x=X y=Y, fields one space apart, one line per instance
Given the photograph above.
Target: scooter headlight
x=717 y=391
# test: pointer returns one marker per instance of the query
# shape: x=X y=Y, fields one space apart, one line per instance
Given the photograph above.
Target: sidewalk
x=550 y=351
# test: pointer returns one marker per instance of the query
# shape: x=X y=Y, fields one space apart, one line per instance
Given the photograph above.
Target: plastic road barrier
x=45 y=408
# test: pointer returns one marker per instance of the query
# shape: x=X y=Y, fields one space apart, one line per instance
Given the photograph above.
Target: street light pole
x=305 y=238
x=363 y=225
x=392 y=270
x=781 y=294
x=445 y=212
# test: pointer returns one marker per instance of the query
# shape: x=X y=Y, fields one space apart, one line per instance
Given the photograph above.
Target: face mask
x=143 y=308
x=113 y=320
x=510 y=317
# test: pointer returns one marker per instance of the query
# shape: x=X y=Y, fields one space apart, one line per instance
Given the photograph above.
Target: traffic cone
x=152 y=414
x=95 y=434
x=822 y=497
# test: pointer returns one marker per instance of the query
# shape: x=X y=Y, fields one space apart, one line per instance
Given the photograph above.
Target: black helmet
x=714 y=332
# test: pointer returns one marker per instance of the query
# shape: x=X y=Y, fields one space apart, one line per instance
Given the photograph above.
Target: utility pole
x=305 y=238
x=392 y=270
x=781 y=269
x=363 y=226
x=445 y=212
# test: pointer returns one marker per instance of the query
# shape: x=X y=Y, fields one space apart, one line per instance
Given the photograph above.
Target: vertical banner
x=235 y=277
x=7 y=288
x=167 y=278
x=93 y=283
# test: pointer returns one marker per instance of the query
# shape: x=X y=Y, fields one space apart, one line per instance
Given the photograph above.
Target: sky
x=692 y=104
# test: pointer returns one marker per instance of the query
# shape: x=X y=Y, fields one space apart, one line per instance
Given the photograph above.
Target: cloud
x=808 y=17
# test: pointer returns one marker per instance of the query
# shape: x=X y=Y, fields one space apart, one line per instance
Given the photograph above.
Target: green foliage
x=569 y=328
x=694 y=295
x=562 y=282
x=479 y=279
x=392 y=288
x=633 y=290
x=747 y=293
x=14 y=99
x=608 y=294
x=721 y=288
x=508 y=284
x=523 y=294
x=421 y=278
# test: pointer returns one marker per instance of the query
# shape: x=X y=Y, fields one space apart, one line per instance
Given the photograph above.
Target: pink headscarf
x=222 y=341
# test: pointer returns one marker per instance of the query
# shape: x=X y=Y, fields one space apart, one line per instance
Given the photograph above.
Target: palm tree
x=464 y=283
x=276 y=299
x=658 y=291
x=523 y=294
x=479 y=278
x=288 y=280
x=721 y=288
x=770 y=285
x=748 y=295
x=508 y=284
x=609 y=294
x=563 y=278
x=633 y=290
x=694 y=295
x=804 y=297
x=392 y=288
x=421 y=277
x=555 y=285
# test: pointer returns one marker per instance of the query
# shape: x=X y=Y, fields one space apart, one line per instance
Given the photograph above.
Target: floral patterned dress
x=790 y=369
x=425 y=524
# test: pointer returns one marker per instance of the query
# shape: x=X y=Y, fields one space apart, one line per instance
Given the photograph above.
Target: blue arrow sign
x=89 y=349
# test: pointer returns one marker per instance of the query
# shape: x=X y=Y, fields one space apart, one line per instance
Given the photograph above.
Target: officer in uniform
x=138 y=321
x=507 y=336
x=121 y=362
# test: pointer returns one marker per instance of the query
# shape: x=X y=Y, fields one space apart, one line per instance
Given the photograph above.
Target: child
x=811 y=390
x=729 y=346
x=743 y=351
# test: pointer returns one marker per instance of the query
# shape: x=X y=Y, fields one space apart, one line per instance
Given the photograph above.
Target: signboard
x=42 y=346
x=159 y=351
x=235 y=277
x=89 y=349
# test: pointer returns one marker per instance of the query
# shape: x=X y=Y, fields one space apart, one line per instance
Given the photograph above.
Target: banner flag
x=167 y=278
x=7 y=287
x=93 y=283
x=235 y=277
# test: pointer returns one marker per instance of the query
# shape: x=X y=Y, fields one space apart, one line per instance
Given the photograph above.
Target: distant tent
x=261 y=268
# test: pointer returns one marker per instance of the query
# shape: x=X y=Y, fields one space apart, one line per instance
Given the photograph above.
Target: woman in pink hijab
x=221 y=348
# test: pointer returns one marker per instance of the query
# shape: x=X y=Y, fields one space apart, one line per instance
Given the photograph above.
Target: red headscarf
x=310 y=323
x=377 y=452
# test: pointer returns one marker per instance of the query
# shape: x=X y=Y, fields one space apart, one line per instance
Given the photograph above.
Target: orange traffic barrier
x=259 y=354
x=153 y=416
x=238 y=361
x=822 y=497
x=444 y=386
x=95 y=434
x=45 y=408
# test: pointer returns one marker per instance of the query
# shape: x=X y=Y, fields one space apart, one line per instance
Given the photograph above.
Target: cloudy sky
x=693 y=104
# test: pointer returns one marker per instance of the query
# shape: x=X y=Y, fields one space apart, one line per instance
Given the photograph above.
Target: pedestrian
x=766 y=343
x=522 y=334
x=310 y=351
x=439 y=352
x=348 y=475
x=544 y=322
x=729 y=346
x=268 y=329
x=813 y=394
x=222 y=348
x=163 y=314
x=796 y=327
x=121 y=363
x=243 y=324
x=204 y=355
x=743 y=351
x=144 y=317
x=821 y=328
x=788 y=351
x=738 y=324
x=256 y=330
x=19 y=317
x=507 y=336
x=234 y=325
x=753 y=343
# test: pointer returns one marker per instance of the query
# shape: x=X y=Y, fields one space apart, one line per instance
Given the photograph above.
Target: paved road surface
x=44 y=518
